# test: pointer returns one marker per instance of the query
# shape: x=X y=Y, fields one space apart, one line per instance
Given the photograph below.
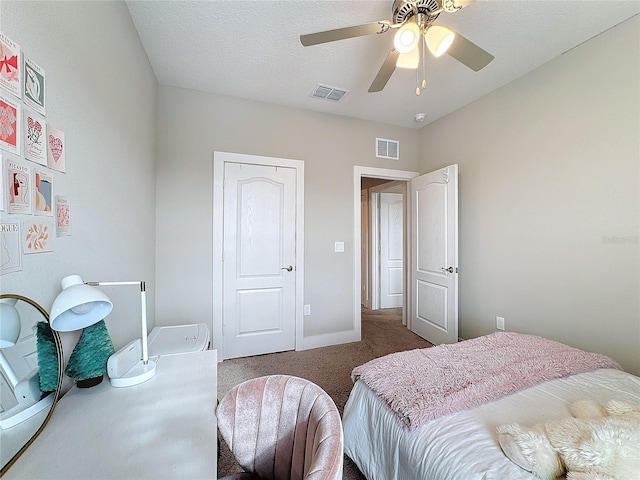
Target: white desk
x=163 y=428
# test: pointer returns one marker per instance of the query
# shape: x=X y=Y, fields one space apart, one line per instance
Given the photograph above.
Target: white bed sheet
x=464 y=445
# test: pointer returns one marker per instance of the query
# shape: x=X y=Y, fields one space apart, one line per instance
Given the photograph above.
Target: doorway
x=384 y=175
x=430 y=305
x=382 y=242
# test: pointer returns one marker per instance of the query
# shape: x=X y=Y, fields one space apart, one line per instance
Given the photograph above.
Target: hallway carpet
x=328 y=367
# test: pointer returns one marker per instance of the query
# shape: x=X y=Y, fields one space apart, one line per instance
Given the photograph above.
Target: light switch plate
x=339 y=247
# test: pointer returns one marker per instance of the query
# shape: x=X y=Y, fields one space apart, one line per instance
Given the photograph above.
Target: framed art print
x=35 y=137
x=63 y=217
x=56 y=149
x=43 y=193
x=10 y=125
x=10 y=253
x=3 y=187
x=37 y=236
x=34 y=83
x=10 y=65
x=18 y=180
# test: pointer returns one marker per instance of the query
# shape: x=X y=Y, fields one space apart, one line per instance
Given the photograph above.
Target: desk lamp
x=80 y=304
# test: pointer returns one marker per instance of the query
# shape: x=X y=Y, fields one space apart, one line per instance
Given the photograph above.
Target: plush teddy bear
x=597 y=443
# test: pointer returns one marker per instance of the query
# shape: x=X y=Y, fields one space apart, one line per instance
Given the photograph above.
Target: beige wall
x=191 y=126
x=101 y=91
x=550 y=199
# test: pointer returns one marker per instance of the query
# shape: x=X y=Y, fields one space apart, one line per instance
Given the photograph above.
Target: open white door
x=391 y=250
x=259 y=272
x=434 y=255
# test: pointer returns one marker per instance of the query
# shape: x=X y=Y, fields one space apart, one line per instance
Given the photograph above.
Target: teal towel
x=90 y=355
x=47 y=358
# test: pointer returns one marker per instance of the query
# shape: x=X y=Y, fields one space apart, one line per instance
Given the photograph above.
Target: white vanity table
x=163 y=428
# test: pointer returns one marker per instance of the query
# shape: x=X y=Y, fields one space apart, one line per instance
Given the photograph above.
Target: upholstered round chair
x=281 y=427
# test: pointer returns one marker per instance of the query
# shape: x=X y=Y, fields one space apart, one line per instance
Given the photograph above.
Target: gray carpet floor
x=328 y=367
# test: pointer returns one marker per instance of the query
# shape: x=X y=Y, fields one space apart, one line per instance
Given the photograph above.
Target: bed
x=463 y=444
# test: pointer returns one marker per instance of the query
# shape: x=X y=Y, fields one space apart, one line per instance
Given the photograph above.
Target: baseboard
x=326 y=340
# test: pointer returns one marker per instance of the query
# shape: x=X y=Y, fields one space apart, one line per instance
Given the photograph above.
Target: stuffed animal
x=597 y=443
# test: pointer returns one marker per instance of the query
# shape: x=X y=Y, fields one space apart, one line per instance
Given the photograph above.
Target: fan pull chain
x=424 y=64
x=420 y=60
x=421 y=66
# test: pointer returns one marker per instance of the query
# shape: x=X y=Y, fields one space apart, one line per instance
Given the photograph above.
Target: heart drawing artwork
x=55 y=144
x=55 y=149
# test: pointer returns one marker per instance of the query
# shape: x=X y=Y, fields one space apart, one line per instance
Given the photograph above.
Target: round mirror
x=31 y=367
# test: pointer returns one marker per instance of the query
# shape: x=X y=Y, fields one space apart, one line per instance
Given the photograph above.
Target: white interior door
x=434 y=255
x=391 y=250
x=259 y=259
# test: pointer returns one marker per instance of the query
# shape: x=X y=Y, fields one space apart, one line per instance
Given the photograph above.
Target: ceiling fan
x=413 y=22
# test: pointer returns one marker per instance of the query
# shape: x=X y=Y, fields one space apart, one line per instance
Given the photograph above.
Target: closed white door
x=434 y=255
x=259 y=252
x=391 y=248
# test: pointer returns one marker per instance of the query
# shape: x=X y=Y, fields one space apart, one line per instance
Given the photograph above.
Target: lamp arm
x=143 y=306
x=143 y=303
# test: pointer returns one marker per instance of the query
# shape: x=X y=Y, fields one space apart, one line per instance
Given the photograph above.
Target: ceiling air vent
x=326 y=92
x=387 y=148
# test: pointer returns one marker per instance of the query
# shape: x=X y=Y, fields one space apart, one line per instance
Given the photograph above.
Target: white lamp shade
x=409 y=60
x=407 y=37
x=9 y=322
x=439 y=39
x=78 y=305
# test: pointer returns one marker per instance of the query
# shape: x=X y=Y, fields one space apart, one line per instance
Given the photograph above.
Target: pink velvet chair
x=281 y=427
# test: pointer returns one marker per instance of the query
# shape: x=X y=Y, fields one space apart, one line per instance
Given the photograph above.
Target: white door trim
x=358 y=173
x=365 y=257
x=219 y=159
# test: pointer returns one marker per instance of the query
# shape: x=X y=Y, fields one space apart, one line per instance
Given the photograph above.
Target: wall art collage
x=32 y=153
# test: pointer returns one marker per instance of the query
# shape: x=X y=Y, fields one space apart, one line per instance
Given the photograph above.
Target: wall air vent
x=326 y=92
x=387 y=148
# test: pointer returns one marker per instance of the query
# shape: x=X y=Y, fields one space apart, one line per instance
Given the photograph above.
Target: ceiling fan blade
x=469 y=54
x=343 y=33
x=385 y=72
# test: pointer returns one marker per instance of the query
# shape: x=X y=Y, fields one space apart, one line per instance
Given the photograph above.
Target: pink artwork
x=19 y=187
x=63 y=216
x=56 y=149
x=37 y=236
x=35 y=138
x=10 y=113
x=10 y=65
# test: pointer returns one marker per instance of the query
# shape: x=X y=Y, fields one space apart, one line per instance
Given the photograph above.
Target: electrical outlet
x=307 y=310
x=500 y=323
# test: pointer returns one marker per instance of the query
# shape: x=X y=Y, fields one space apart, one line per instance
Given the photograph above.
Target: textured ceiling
x=251 y=49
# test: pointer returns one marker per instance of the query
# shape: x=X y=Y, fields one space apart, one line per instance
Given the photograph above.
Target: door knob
x=450 y=269
x=288 y=269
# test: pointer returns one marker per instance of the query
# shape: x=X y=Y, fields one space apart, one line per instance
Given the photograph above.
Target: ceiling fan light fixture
x=407 y=37
x=409 y=60
x=439 y=39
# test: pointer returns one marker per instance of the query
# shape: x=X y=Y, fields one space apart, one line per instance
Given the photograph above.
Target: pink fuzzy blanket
x=424 y=384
